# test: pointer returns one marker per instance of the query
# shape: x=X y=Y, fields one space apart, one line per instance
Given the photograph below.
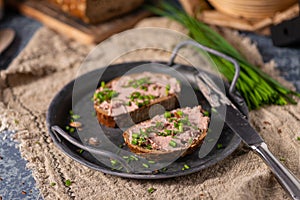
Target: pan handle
x=212 y=51
x=58 y=131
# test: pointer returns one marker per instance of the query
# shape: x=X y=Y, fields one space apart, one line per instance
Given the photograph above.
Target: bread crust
x=170 y=102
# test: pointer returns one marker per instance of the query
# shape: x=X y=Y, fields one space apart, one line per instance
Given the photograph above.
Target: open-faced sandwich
x=130 y=97
x=181 y=130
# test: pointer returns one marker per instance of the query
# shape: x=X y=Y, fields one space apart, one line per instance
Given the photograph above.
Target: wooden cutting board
x=74 y=28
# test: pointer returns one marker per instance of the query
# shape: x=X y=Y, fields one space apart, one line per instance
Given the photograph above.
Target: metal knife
x=236 y=120
x=240 y=125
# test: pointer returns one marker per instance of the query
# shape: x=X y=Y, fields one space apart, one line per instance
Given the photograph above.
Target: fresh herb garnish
x=159 y=125
x=145 y=165
x=186 y=166
x=219 y=146
x=167 y=89
x=164 y=169
x=52 y=184
x=282 y=159
x=80 y=151
x=254 y=85
x=113 y=162
x=167 y=114
x=105 y=95
x=68 y=183
x=180 y=113
x=214 y=110
x=102 y=84
x=139 y=99
x=151 y=190
x=139 y=83
x=173 y=143
x=206 y=113
x=298 y=138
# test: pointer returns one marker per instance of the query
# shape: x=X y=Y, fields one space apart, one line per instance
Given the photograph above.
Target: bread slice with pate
x=127 y=100
x=181 y=130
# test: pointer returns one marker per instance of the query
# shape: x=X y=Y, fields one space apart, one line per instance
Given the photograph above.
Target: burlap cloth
x=50 y=61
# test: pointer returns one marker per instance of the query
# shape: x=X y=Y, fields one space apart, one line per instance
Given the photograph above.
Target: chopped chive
x=102 y=84
x=71 y=112
x=72 y=130
x=180 y=127
x=180 y=113
x=75 y=116
x=206 y=113
x=135 y=135
x=164 y=169
x=158 y=124
x=173 y=143
x=52 y=184
x=219 y=146
x=125 y=157
x=139 y=104
x=167 y=114
x=113 y=162
x=186 y=166
x=151 y=190
x=168 y=87
x=80 y=151
x=68 y=183
x=134 y=142
x=151 y=162
x=145 y=165
x=214 y=110
x=67 y=128
x=134 y=158
x=282 y=159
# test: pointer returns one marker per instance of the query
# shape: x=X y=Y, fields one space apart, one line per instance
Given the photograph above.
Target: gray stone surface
x=287 y=59
x=16 y=182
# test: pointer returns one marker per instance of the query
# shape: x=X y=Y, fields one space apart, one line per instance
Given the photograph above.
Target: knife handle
x=288 y=180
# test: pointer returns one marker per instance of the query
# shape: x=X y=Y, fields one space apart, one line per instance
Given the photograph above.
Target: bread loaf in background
x=95 y=11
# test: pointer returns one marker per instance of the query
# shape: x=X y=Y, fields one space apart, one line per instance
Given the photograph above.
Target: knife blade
x=240 y=126
x=6 y=38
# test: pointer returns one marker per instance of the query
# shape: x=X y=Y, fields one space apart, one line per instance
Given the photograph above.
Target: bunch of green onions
x=256 y=87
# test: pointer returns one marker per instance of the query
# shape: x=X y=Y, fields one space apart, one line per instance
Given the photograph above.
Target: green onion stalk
x=256 y=87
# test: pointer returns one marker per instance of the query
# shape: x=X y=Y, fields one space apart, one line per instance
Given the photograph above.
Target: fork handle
x=288 y=180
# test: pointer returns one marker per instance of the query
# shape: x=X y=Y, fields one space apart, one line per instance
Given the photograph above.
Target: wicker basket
x=251 y=9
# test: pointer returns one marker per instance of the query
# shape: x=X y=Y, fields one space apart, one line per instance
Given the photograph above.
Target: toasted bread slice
x=178 y=132
x=127 y=100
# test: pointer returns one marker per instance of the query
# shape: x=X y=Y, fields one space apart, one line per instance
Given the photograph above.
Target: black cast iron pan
x=58 y=117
